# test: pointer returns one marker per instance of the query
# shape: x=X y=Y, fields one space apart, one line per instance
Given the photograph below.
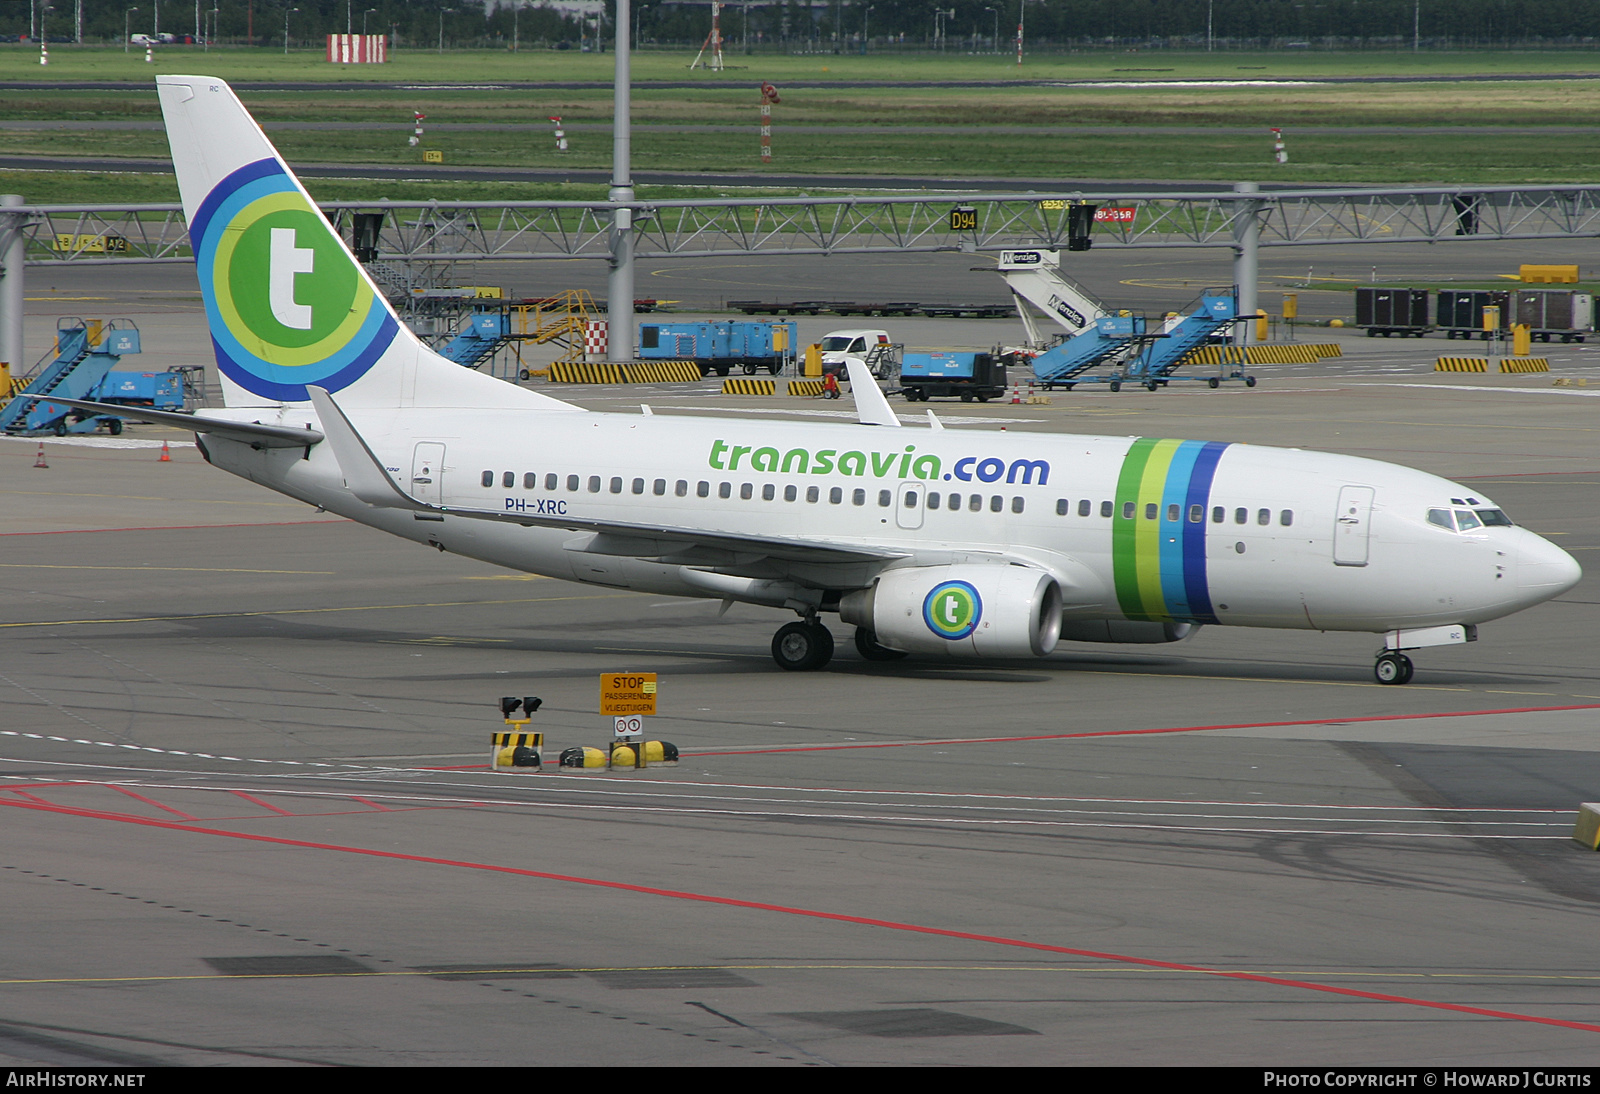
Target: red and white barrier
x=358 y=49
x=595 y=340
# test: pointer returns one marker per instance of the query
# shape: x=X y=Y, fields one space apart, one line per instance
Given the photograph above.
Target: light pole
x=638 y=11
x=349 y=22
x=364 y=15
x=516 y=12
x=865 y=37
x=442 y=13
x=619 y=283
x=286 y=12
x=44 y=37
x=1209 y=4
x=1416 y=25
x=1022 y=7
x=125 y=17
x=995 y=44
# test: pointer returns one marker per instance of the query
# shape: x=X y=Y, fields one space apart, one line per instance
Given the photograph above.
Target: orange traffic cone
x=166 y=457
x=38 y=461
x=1016 y=395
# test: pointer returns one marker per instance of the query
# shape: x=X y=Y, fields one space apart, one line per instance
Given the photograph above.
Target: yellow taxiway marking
x=1271 y=680
x=509 y=577
x=312 y=611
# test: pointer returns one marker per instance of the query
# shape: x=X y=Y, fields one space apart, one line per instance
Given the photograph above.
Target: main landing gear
x=1393 y=668
x=802 y=647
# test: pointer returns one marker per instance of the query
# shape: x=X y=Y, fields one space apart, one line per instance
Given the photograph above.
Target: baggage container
x=1555 y=313
x=1459 y=312
x=1393 y=311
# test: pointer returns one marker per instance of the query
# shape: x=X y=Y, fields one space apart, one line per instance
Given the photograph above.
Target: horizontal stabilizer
x=253 y=434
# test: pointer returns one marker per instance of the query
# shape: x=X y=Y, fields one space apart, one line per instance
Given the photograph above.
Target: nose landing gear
x=802 y=647
x=1393 y=668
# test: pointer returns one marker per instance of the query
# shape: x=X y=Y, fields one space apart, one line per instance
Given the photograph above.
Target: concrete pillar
x=12 y=247
x=1246 y=239
x=619 y=285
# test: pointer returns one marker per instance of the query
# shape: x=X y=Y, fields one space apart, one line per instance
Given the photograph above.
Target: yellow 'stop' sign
x=628 y=693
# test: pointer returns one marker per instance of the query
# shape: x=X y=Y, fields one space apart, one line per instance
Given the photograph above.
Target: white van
x=863 y=345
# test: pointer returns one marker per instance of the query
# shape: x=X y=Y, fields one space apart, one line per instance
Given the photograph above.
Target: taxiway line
x=840 y=917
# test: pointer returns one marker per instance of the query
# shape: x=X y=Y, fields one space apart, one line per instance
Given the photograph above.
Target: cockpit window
x=1442 y=518
x=1494 y=518
x=1467 y=520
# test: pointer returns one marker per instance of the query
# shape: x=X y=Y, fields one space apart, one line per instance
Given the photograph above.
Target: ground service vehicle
x=980 y=376
x=746 y=344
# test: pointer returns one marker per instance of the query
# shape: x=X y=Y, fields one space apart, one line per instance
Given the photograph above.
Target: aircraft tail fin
x=287 y=303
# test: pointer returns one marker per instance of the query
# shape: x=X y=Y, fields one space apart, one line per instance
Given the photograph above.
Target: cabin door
x=1352 y=525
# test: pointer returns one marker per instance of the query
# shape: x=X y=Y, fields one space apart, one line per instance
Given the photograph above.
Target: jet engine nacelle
x=1124 y=630
x=960 y=611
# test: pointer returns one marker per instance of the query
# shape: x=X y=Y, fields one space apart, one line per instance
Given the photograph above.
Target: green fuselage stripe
x=1124 y=530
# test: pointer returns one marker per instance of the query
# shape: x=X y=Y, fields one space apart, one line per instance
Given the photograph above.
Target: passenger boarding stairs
x=1107 y=339
x=484 y=336
x=1035 y=276
x=1160 y=358
x=85 y=351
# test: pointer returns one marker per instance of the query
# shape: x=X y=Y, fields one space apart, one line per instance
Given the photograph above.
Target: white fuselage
x=1326 y=542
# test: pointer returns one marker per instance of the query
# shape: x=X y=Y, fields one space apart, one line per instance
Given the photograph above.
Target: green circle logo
x=952 y=609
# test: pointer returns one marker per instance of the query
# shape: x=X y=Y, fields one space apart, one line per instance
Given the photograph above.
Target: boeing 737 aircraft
x=944 y=542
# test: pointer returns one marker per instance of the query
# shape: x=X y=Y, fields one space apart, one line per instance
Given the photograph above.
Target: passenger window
x=933 y=501
x=488 y=478
x=594 y=484
x=1106 y=509
x=702 y=489
x=835 y=496
x=1083 y=507
x=996 y=503
x=659 y=487
x=1150 y=510
x=1062 y=507
x=1197 y=514
x=508 y=479
x=1127 y=510
x=1172 y=511
x=1286 y=517
x=1241 y=516
x=768 y=491
x=530 y=480
x=724 y=489
x=911 y=499
x=886 y=499
x=1466 y=520
x=812 y=494
x=1263 y=516
x=681 y=488
x=550 y=481
x=1016 y=505
x=954 y=502
x=616 y=484
x=746 y=491
x=1442 y=518
x=790 y=493
x=638 y=486
x=975 y=503
x=1218 y=514
x=858 y=497
x=572 y=482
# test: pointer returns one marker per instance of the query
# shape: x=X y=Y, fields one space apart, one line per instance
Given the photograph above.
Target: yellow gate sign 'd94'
x=628 y=693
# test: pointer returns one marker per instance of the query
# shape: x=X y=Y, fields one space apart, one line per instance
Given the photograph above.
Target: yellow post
x=1521 y=339
x=1261 y=325
x=1291 y=305
x=1491 y=318
x=814 y=359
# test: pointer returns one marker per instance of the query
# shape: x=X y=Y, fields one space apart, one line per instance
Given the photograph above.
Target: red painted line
x=151 y=801
x=376 y=805
x=265 y=805
x=1139 y=732
x=176 y=527
x=30 y=797
x=832 y=917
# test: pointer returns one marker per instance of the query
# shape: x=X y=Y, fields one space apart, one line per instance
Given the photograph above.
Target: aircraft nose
x=1543 y=569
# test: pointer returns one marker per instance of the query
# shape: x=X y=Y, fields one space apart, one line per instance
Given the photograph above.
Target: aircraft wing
x=366 y=478
x=251 y=433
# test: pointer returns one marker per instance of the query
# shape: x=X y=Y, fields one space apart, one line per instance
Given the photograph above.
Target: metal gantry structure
x=419 y=239
x=858 y=223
